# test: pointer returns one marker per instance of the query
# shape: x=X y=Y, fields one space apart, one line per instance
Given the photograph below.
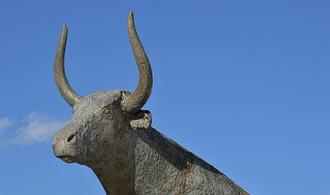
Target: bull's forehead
x=94 y=102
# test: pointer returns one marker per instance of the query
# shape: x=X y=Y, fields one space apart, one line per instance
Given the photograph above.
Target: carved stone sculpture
x=112 y=135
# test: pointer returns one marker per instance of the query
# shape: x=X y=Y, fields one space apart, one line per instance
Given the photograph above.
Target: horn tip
x=64 y=27
x=130 y=15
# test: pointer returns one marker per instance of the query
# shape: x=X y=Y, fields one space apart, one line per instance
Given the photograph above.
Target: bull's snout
x=64 y=144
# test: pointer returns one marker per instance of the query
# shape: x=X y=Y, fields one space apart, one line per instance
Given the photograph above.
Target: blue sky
x=245 y=85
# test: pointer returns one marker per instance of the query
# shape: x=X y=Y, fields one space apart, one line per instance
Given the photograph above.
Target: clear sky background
x=245 y=85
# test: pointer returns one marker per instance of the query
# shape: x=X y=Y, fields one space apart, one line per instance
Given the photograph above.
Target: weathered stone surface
x=130 y=160
x=118 y=143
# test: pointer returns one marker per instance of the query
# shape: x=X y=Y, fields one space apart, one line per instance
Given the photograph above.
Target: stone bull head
x=110 y=134
x=101 y=113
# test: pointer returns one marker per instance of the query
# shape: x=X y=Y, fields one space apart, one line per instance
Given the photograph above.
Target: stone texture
x=110 y=134
x=130 y=157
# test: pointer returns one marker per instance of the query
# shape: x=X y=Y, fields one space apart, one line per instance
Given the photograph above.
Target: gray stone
x=110 y=134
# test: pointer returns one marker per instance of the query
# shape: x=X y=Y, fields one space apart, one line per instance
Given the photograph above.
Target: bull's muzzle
x=65 y=144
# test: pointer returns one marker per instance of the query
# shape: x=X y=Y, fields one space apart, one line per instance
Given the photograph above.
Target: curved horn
x=61 y=81
x=133 y=102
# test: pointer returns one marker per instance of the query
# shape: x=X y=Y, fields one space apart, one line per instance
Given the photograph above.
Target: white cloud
x=4 y=124
x=37 y=128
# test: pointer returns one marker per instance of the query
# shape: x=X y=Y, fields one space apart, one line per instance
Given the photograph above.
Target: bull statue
x=110 y=134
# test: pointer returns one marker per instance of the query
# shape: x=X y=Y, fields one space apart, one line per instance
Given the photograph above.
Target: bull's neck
x=117 y=172
x=116 y=182
x=148 y=158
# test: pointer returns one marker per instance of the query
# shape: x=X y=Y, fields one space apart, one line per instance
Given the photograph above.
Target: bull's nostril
x=71 y=137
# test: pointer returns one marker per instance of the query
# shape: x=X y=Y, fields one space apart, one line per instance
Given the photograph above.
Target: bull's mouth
x=67 y=158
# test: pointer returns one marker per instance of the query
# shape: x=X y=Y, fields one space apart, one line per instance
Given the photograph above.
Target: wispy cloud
x=4 y=124
x=36 y=128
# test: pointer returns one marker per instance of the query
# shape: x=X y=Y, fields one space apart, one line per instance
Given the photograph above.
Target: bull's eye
x=107 y=110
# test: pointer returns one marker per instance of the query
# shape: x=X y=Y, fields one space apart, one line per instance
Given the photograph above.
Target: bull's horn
x=133 y=102
x=61 y=81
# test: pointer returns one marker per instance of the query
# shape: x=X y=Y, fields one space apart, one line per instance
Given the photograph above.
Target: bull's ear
x=141 y=120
